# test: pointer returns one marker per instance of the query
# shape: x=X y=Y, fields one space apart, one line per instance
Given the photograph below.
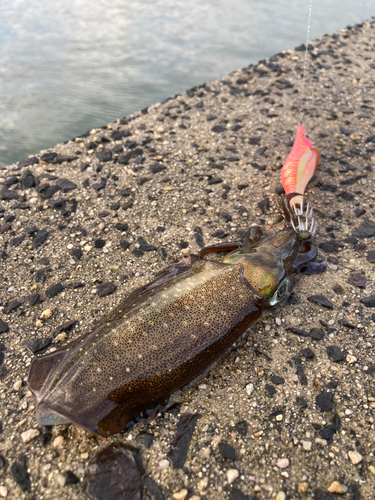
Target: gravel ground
x=289 y=414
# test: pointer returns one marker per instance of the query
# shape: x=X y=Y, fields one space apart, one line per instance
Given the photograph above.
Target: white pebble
x=280 y=495
x=3 y=491
x=29 y=435
x=164 y=464
x=180 y=495
x=336 y=487
x=58 y=442
x=307 y=445
x=17 y=385
x=202 y=485
x=355 y=457
x=249 y=389
x=232 y=475
x=282 y=463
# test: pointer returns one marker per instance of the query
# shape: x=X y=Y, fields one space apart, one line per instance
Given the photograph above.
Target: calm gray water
x=67 y=66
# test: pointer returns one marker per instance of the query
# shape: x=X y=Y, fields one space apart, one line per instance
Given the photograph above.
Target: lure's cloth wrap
x=300 y=165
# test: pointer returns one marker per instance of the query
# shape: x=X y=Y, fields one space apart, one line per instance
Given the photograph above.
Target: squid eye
x=281 y=292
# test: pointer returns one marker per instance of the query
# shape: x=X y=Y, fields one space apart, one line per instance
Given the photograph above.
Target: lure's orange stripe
x=300 y=165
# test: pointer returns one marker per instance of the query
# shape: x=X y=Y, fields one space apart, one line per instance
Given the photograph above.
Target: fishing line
x=305 y=63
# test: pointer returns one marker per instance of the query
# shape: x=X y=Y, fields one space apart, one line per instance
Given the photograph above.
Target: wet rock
x=4 y=327
x=106 y=289
x=40 y=238
x=324 y=401
x=8 y=194
x=11 y=181
x=53 y=290
x=66 y=185
x=181 y=442
x=316 y=334
x=151 y=491
x=38 y=346
x=20 y=474
x=358 y=280
x=365 y=230
x=369 y=301
x=241 y=427
x=144 y=246
x=321 y=300
x=113 y=473
x=335 y=353
x=12 y=306
x=227 y=451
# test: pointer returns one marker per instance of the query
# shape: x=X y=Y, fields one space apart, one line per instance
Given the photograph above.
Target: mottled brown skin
x=163 y=335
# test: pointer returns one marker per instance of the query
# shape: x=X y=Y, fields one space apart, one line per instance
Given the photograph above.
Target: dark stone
x=151 y=491
x=358 y=280
x=124 y=244
x=316 y=334
x=144 y=246
x=66 y=327
x=181 y=442
x=4 y=327
x=359 y=211
x=145 y=439
x=335 y=353
x=308 y=353
x=106 y=289
x=346 y=196
x=157 y=167
x=227 y=217
x=275 y=379
x=100 y=185
x=321 y=300
x=12 y=306
x=297 y=331
x=219 y=234
x=31 y=300
x=300 y=371
x=115 y=206
x=63 y=158
x=371 y=256
x=125 y=192
x=3 y=462
x=11 y=181
x=66 y=185
x=9 y=218
x=365 y=230
x=8 y=194
x=105 y=155
x=331 y=246
x=3 y=372
x=48 y=193
x=4 y=229
x=241 y=427
x=112 y=474
x=40 y=238
x=76 y=253
x=142 y=180
x=227 y=451
x=240 y=187
x=99 y=243
x=218 y=128
x=264 y=205
x=38 y=345
x=31 y=230
x=48 y=157
x=28 y=162
x=254 y=141
x=328 y=432
x=261 y=168
x=347 y=324
x=368 y=301
x=237 y=494
x=70 y=477
x=301 y=402
x=271 y=390
x=325 y=401
x=215 y=180
x=16 y=242
x=117 y=135
x=20 y=474
x=53 y=290
x=346 y=131
x=338 y=289
x=121 y=227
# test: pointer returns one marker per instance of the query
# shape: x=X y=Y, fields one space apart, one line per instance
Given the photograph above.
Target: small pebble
x=58 y=442
x=61 y=337
x=351 y=359
x=302 y=488
x=232 y=475
x=195 y=497
x=47 y=313
x=87 y=248
x=17 y=385
x=355 y=457
x=202 y=485
x=60 y=479
x=3 y=491
x=307 y=445
x=282 y=463
x=29 y=435
x=280 y=495
x=371 y=468
x=249 y=389
x=336 y=487
x=180 y=495
x=164 y=464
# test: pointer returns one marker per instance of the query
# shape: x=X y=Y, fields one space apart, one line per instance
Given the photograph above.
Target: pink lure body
x=300 y=165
